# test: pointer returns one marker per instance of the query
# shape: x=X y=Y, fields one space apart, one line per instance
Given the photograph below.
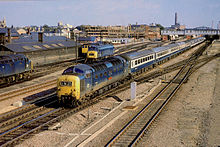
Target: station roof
x=33 y=37
x=37 y=46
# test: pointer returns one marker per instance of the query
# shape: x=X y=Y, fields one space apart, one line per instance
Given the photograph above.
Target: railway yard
x=30 y=115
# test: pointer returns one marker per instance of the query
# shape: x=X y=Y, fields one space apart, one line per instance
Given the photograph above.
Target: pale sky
x=192 y=13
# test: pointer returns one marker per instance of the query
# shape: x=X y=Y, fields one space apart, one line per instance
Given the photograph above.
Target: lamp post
x=76 y=39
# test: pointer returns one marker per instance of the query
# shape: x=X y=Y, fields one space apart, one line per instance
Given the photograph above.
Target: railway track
x=134 y=130
x=45 y=116
x=28 y=90
x=44 y=70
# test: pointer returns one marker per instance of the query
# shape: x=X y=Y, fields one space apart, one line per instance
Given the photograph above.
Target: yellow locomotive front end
x=85 y=48
x=92 y=54
x=68 y=89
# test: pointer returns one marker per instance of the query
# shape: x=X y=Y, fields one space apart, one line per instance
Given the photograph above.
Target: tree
x=160 y=26
x=46 y=28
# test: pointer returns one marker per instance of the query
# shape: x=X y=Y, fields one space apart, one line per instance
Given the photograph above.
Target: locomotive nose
x=68 y=86
x=92 y=54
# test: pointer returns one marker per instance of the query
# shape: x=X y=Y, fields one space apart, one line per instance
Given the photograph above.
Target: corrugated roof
x=36 y=46
x=33 y=37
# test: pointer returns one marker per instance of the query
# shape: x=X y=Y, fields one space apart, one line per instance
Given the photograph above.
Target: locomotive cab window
x=64 y=83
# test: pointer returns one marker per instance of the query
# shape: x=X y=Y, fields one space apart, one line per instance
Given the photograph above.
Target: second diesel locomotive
x=88 y=80
x=100 y=51
x=96 y=51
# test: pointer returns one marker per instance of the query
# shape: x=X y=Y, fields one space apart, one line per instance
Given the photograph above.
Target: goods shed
x=43 y=52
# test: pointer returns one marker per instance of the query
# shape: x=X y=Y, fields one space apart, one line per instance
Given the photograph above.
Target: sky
x=192 y=13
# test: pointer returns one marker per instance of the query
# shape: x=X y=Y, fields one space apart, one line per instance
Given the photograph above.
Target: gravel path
x=192 y=118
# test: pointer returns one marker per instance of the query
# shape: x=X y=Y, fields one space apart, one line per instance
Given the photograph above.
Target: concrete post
x=133 y=90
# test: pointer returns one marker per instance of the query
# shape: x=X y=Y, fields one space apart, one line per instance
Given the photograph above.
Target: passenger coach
x=142 y=60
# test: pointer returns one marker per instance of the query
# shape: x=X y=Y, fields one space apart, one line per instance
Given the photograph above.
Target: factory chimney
x=2 y=38
x=40 y=36
x=28 y=31
x=176 y=18
x=218 y=25
x=9 y=35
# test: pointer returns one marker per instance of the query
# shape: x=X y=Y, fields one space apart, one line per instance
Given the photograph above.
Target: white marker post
x=133 y=90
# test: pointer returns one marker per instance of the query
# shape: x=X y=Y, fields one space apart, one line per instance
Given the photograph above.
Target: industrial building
x=39 y=48
x=131 y=31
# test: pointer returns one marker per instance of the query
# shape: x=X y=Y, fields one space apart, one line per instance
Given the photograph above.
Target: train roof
x=11 y=56
x=79 y=68
x=107 y=63
x=162 y=48
x=135 y=55
x=159 y=49
x=96 y=66
x=101 y=47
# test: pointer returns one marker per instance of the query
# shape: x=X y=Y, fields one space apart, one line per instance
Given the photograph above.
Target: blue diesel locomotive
x=88 y=80
x=14 y=68
x=96 y=50
x=100 y=51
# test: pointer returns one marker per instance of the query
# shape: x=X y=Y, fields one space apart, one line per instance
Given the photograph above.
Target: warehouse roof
x=37 y=46
x=33 y=37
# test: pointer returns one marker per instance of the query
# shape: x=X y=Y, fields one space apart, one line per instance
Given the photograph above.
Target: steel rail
x=26 y=90
x=120 y=133
x=141 y=133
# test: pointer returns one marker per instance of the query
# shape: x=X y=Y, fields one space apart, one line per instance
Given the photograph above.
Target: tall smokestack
x=28 y=31
x=9 y=35
x=40 y=36
x=176 y=18
x=2 y=38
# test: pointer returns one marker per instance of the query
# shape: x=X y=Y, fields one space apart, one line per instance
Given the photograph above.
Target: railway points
x=113 y=104
x=141 y=84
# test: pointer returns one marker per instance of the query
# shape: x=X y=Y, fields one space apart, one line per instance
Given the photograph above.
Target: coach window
x=139 y=61
x=135 y=62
